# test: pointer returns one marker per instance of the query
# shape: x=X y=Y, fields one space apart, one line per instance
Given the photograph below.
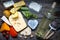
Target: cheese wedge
x=18 y=4
x=18 y=23
x=27 y=31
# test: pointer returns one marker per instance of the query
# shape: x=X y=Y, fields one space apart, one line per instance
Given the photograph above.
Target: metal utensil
x=51 y=28
x=5 y=20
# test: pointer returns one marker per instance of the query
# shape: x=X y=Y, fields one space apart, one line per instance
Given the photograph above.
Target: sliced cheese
x=27 y=31
x=19 y=23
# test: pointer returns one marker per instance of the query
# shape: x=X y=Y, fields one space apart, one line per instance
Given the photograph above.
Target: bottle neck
x=53 y=5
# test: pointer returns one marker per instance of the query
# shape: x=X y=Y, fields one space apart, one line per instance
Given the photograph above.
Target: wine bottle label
x=49 y=15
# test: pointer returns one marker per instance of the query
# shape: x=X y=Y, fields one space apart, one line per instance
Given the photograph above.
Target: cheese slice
x=18 y=23
x=26 y=31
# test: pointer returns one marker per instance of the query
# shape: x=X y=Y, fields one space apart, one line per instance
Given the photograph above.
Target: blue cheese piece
x=33 y=23
x=8 y=4
x=35 y=6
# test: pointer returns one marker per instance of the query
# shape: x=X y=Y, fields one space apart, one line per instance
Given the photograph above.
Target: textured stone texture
x=45 y=3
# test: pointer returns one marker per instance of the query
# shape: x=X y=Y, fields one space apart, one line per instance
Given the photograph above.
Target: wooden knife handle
x=47 y=34
x=50 y=35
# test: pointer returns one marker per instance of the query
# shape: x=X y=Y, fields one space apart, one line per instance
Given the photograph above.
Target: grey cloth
x=1 y=22
x=10 y=38
x=2 y=37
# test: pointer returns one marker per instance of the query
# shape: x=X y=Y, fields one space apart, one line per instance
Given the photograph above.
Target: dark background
x=56 y=36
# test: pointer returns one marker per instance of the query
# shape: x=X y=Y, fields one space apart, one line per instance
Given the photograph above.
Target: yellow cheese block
x=19 y=23
x=13 y=10
x=4 y=27
x=18 y=4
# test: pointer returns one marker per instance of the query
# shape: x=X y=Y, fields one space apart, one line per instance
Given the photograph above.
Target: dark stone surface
x=1 y=12
x=56 y=35
x=2 y=37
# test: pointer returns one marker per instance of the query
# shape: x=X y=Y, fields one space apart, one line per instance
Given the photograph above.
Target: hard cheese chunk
x=21 y=3
x=26 y=31
x=18 y=23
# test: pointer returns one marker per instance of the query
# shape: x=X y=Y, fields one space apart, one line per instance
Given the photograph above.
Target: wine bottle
x=51 y=11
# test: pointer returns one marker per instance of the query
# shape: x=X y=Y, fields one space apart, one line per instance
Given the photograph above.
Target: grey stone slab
x=2 y=37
